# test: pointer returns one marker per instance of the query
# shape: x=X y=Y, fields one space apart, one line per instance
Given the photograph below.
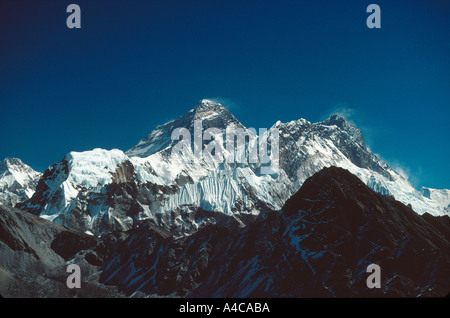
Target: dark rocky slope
x=33 y=255
x=319 y=245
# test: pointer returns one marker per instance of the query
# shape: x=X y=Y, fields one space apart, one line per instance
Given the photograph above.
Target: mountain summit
x=209 y=105
x=343 y=124
x=212 y=114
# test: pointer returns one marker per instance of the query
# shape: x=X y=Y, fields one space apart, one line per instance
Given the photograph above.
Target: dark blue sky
x=136 y=64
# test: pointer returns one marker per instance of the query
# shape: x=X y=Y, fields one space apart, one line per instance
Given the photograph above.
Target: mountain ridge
x=100 y=190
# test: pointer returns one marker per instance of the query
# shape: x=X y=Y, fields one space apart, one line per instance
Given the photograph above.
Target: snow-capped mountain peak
x=100 y=190
x=207 y=104
x=211 y=114
x=17 y=181
x=209 y=110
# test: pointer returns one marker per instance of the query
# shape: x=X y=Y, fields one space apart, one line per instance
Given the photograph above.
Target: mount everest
x=99 y=191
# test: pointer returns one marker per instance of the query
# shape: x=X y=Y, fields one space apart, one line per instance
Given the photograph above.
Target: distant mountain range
x=100 y=191
x=165 y=225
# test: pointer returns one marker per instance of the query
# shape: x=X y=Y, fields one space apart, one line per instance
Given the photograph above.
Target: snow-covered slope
x=99 y=191
x=72 y=192
x=17 y=181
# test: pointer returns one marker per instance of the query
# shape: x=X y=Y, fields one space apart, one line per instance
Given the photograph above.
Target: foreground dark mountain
x=318 y=245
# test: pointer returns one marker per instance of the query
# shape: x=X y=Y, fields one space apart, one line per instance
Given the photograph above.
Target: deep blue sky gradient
x=137 y=64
